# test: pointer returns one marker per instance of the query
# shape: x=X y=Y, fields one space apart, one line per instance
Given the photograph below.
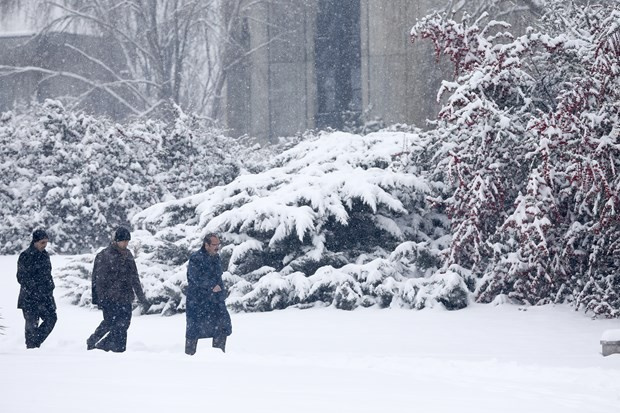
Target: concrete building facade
x=323 y=63
x=304 y=64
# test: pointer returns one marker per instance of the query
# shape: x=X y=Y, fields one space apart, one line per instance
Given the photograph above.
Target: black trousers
x=192 y=343
x=37 y=333
x=111 y=334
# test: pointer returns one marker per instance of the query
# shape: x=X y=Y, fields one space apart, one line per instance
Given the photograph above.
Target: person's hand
x=146 y=304
x=217 y=289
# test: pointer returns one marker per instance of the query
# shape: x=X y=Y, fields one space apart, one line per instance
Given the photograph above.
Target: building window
x=338 y=64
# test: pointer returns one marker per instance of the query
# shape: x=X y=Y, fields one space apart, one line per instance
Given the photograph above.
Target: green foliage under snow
x=334 y=221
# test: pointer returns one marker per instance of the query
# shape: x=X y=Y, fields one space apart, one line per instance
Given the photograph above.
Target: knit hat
x=38 y=235
x=122 y=234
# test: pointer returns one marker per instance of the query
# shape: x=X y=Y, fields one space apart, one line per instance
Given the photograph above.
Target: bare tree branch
x=13 y=70
x=125 y=82
x=168 y=51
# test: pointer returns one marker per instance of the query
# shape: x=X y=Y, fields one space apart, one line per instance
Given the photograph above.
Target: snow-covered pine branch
x=318 y=228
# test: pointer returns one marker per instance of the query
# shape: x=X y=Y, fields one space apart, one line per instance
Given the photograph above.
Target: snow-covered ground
x=481 y=359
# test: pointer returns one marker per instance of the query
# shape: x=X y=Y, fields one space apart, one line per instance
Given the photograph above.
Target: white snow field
x=482 y=359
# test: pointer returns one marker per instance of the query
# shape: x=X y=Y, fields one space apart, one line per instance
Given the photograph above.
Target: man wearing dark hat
x=36 y=293
x=115 y=283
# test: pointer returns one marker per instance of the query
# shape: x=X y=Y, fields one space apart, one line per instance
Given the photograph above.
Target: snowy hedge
x=336 y=220
x=529 y=141
x=79 y=177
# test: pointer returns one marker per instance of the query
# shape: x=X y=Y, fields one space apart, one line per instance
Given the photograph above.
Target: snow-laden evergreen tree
x=336 y=220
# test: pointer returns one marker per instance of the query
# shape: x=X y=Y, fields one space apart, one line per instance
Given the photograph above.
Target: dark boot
x=190 y=346
x=220 y=342
x=102 y=330
x=90 y=343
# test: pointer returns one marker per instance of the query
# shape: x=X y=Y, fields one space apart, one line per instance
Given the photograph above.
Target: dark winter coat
x=34 y=274
x=206 y=311
x=115 y=277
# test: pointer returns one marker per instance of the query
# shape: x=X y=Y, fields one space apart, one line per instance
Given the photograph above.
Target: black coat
x=34 y=274
x=206 y=311
x=115 y=277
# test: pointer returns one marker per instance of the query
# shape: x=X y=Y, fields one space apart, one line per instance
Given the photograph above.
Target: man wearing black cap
x=36 y=294
x=115 y=284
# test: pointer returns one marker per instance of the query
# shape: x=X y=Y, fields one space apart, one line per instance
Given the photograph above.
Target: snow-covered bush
x=528 y=141
x=324 y=202
x=442 y=288
x=79 y=176
x=481 y=135
x=334 y=221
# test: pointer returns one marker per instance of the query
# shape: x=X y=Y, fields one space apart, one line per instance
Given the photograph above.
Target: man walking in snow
x=36 y=293
x=115 y=283
x=206 y=312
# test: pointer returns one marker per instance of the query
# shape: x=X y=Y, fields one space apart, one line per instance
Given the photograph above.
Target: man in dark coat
x=36 y=294
x=206 y=312
x=115 y=283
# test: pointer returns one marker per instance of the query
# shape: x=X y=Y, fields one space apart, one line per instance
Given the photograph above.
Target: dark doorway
x=338 y=64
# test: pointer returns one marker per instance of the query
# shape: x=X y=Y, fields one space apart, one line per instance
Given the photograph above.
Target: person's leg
x=190 y=346
x=117 y=339
x=191 y=334
x=47 y=313
x=219 y=342
x=31 y=318
x=101 y=330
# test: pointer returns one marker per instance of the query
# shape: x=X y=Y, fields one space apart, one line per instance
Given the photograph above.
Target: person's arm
x=135 y=282
x=96 y=269
x=24 y=273
x=49 y=279
x=22 y=270
x=217 y=276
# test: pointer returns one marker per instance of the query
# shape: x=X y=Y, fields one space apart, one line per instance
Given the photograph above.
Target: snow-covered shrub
x=347 y=296
x=75 y=278
x=528 y=142
x=317 y=228
x=79 y=176
x=325 y=202
x=481 y=135
x=273 y=291
x=444 y=289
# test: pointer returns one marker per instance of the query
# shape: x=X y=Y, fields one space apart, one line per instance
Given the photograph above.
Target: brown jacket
x=115 y=277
